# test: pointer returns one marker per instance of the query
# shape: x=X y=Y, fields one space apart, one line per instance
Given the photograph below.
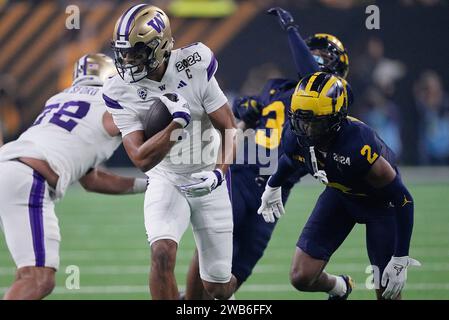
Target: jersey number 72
x=64 y=115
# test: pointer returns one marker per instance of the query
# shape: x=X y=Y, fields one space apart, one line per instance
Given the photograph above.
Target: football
x=157 y=118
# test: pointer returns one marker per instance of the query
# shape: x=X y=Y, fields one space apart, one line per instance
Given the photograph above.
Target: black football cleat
x=349 y=286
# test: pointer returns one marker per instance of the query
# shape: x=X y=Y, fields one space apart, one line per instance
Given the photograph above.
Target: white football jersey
x=68 y=134
x=190 y=73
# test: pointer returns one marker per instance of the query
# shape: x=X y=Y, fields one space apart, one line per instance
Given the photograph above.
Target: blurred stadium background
x=399 y=74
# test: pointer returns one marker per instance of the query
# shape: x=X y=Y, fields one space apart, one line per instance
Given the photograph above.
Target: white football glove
x=395 y=274
x=271 y=205
x=178 y=107
x=209 y=180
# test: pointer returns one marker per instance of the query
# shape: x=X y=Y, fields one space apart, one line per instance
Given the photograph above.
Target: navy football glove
x=248 y=110
x=285 y=19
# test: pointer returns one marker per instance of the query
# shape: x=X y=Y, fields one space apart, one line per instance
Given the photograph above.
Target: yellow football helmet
x=319 y=104
x=142 y=41
x=332 y=56
x=93 y=70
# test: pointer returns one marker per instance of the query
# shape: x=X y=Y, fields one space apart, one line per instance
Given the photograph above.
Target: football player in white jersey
x=69 y=139
x=179 y=191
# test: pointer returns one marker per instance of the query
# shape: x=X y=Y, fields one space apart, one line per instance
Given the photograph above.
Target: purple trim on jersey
x=183 y=115
x=228 y=183
x=212 y=67
x=121 y=20
x=111 y=103
x=85 y=65
x=35 y=211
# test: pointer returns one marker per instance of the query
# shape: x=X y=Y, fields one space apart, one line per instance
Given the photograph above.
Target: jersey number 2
x=64 y=115
x=366 y=151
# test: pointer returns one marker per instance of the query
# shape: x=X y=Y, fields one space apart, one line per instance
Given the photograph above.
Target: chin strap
x=318 y=174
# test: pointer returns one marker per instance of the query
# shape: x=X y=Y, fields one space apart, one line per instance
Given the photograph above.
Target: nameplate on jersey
x=188 y=61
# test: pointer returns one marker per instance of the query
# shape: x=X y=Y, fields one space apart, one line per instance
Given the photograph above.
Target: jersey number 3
x=366 y=151
x=64 y=115
x=275 y=126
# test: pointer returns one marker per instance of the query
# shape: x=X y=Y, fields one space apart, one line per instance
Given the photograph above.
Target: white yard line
x=260 y=269
x=118 y=289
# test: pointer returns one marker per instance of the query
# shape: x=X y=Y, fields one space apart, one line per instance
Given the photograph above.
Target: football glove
x=284 y=17
x=248 y=110
x=271 y=205
x=395 y=274
x=209 y=181
x=178 y=107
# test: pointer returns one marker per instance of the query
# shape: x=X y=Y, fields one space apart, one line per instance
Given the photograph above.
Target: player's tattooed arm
x=101 y=181
x=147 y=154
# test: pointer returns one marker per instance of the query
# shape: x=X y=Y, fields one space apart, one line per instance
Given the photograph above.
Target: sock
x=340 y=286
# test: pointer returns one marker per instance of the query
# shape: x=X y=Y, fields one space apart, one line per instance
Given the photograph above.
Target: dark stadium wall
x=417 y=36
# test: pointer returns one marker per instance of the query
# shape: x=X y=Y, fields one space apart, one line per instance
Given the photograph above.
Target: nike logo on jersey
x=181 y=84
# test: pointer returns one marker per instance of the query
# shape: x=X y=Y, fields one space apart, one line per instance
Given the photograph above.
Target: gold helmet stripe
x=311 y=81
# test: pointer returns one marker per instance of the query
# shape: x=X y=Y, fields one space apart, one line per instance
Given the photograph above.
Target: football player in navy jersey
x=267 y=115
x=363 y=185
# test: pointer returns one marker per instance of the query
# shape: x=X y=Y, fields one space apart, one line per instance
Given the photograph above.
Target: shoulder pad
x=198 y=57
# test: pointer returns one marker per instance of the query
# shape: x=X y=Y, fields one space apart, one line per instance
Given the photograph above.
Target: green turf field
x=105 y=237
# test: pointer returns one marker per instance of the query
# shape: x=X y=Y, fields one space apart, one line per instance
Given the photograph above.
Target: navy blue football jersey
x=349 y=158
x=275 y=98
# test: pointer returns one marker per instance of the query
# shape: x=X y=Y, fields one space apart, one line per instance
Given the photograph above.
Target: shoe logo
x=162 y=88
x=181 y=84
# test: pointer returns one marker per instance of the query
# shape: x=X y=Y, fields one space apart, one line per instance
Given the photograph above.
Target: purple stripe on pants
x=35 y=210
x=228 y=183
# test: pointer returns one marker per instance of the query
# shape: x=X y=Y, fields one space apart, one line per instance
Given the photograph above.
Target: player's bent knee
x=216 y=273
x=301 y=279
x=163 y=255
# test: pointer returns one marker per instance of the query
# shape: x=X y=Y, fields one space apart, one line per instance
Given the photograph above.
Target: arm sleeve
x=304 y=60
x=400 y=197
x=285 y=169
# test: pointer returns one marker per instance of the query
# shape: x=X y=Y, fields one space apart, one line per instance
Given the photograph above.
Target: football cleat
x=349 y=286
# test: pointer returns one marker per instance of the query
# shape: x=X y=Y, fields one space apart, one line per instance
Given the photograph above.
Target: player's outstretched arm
x=304 y=61
x=271 y=205
x=101 y=181
x=383 y=177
